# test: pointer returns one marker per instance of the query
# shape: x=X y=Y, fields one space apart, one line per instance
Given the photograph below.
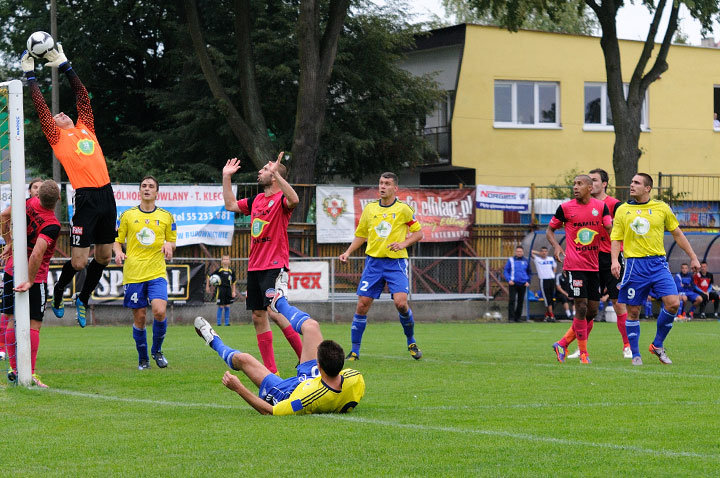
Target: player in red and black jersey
x=78 y=150
x=42 y=232
x=583 y=219
x=270 y=213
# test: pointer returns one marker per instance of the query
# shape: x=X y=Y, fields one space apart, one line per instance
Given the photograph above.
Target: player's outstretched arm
x=47 y=123
x=684 y=244
x=231 y=167
x=34 y=262
x=291 y=197
x=233 y=383
x=357 y=242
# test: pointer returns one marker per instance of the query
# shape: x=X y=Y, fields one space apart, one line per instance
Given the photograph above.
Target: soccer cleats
x=81 y=309
x=637 y=360
x=352 y=357
x=160 y=359
x=204 y=330
x=627 y=353
x=281 y=285
x=584 y=358
x=144 y=365
x=661 y=355
x=560 y=352
x=58 y=305
x=414 y=351
x=38 y=383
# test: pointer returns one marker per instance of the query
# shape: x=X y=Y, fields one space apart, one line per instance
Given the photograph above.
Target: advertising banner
x=199 y=211
x=186 y=284
x=308 y=281
x=504 y=198
x=444 y=214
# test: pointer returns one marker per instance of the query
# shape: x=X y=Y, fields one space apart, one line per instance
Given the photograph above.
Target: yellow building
x=527 y=107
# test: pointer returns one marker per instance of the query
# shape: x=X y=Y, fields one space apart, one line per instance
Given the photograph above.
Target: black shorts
x=609 y=284
x=547 y=287
x=95 y=217
x=223 y=295
x=38 y=298
x=257 y=283
x=585 y=285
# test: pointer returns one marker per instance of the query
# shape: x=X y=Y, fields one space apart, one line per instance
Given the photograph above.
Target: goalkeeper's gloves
x=27 y=63
x=56 y=58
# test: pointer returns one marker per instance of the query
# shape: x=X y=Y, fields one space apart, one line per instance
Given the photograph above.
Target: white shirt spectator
x=545 y=267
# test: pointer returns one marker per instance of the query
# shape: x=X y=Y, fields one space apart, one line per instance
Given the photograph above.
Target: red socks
x=265 y=344
x=294 y=339
x=34 y=343
x=621 y=328
x=580 y=328
x=10 y=347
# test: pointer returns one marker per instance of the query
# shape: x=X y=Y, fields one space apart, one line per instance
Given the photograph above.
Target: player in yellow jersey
x=638 y=230
x=321 y=385
x=389 y=228
x=150 y=234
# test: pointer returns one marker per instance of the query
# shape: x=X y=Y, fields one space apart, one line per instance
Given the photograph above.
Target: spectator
x=688 y=291
x=562 y=293
x=546 y=266
x=517 y=274
x=704 y=281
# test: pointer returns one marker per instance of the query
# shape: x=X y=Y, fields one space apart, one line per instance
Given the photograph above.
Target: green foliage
x=562 y=187
x=155 y=114
x=486 y=400
x=564 y=17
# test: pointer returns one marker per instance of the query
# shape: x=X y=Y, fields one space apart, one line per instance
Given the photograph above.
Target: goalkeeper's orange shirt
x=79 y=152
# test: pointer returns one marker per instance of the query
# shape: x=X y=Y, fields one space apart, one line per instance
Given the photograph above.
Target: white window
x=527 y=104
x=598 y=116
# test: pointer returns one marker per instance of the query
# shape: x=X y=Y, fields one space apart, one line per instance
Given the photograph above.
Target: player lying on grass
x=321 y=384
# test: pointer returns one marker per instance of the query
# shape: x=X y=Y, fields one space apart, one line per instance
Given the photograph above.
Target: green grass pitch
x=486 y=400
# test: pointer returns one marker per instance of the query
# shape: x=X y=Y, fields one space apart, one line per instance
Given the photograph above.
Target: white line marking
x=525 y=436
x=137 y=400
x=369 y=421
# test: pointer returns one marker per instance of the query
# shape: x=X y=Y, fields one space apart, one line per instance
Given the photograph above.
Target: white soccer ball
x=40 y=43
x=215 y=279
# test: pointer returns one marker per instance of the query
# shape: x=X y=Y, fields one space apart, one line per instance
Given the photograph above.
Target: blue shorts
x=139 y=294
x=381 y=270
x=645 y=276
x=691 y=295
x=274 y=389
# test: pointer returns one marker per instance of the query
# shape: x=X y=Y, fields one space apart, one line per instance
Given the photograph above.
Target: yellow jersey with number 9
x=383 y=225
x=145 y=234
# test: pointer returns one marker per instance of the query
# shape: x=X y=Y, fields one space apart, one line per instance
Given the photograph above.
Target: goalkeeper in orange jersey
x=78 y=150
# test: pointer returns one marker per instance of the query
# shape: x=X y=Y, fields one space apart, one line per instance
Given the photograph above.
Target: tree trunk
x=317 y=56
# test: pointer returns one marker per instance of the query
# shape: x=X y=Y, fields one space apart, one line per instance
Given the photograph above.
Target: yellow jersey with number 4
x=145 y=234
x=641 y=227
x=383 y=225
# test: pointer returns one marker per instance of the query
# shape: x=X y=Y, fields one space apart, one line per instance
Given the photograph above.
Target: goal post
x=14 y=128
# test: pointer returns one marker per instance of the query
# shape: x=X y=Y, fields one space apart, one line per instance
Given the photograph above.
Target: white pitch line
x=137 y=400
x=369 y=421
x=524 y=436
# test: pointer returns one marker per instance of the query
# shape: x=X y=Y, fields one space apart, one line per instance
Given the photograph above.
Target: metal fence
x=431 y=278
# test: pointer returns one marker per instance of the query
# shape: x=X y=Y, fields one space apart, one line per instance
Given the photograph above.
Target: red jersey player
x=583 y=219
x=269 y=249
x=43 y=229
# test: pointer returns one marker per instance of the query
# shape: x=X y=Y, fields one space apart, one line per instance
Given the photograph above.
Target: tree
x=626 y=110
x=569 y=17
x=318 y=33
